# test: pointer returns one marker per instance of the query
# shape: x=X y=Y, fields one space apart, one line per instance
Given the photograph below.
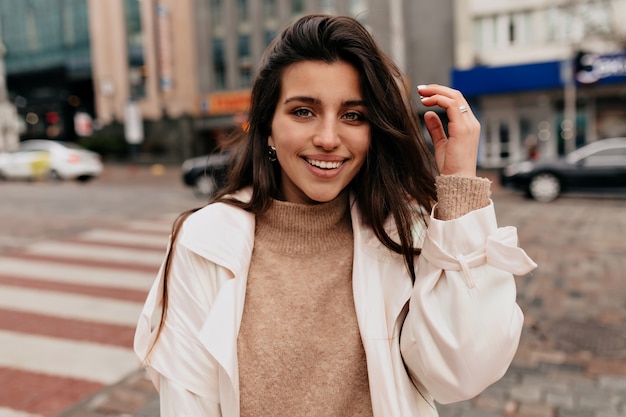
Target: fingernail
x=419 y=87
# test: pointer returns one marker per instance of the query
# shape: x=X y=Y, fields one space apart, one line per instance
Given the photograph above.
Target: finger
x=438 y=135
x=445 y=97
x=455 y=108
x=436 y=89
x=435 y=127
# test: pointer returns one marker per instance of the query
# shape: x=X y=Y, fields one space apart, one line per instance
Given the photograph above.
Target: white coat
x=445 y=338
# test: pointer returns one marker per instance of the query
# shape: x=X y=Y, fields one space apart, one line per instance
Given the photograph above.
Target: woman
x=317 y=283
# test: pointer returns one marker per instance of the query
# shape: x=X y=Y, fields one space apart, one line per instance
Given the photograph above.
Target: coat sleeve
x=463 y=325
x=180 y=368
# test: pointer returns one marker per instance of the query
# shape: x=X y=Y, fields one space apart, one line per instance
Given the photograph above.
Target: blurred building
x=185 y=67
x=546 y=77
x=48 y=69
x=9 y=122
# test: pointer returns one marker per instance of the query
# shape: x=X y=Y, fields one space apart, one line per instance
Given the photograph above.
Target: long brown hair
x=398 y=174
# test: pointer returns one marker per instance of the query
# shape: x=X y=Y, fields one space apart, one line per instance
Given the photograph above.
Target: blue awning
x=483 y=80
x=479 y=81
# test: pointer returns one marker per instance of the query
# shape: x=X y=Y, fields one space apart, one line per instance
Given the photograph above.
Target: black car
x=597 y=167
x=206 y=174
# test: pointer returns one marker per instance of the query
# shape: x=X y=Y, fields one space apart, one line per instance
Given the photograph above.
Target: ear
x=270 y=141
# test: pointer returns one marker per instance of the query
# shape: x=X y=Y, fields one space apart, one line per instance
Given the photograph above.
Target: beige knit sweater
x=299 y=347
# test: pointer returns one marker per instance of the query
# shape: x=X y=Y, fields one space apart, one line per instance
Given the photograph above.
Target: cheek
x=362 y=144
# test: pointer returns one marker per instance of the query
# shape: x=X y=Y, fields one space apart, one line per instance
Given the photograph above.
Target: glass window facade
x=134 y=41
x=40 y=34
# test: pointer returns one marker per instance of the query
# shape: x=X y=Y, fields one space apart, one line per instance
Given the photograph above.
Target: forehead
x=318 y=78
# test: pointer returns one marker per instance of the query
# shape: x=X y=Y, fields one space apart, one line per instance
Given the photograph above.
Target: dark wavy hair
x=398 y=173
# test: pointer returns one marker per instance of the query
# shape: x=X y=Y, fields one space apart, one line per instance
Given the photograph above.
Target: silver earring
x=271 y=153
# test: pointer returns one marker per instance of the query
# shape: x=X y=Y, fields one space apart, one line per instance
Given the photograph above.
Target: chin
x=322 y=197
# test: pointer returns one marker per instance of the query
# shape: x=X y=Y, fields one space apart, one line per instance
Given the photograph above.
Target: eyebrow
x=311 y=100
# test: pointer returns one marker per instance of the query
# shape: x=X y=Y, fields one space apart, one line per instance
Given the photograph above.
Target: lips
x=324 y=164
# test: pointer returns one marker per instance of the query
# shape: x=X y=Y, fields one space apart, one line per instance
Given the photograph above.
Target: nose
x=327 y=137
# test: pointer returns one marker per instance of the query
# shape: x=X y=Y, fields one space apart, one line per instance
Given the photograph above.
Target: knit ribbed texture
x=299 y=348
x=458 y=195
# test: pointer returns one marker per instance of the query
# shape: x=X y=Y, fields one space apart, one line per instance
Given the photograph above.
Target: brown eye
x=353 y=116
x=303 y=112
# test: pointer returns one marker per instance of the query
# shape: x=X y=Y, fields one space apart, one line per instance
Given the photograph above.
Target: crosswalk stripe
x=70 y=306
x=123 y=294
x=95 y=253
x=164 y=227
x=87 y=361
x=37 y=394
x=7 y=412
x=71 y=329
x=121 y=237
x=75 y=274
x=68 y=312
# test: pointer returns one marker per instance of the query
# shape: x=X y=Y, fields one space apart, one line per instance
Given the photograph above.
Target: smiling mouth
x=324 y=164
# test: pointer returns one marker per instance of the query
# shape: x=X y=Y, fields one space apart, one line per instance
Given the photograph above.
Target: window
x=607 y=157
x=269 y=36
x=219 y=64
x=269 y=8
x=329 y=6
x=216 y=12
x=297 y=6
x=503 y=30
x=357 y=8
x=243 y=46
x=520 y=28
x=41 y=34
x=242 y=10
x=134 y=42
x=504 y=140
x=245 y=65
x=576 y=21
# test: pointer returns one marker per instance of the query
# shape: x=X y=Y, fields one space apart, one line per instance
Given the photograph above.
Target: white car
x=48 y=159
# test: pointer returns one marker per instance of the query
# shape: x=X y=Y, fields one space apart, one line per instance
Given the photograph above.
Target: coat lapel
x=381 y=288
x=224 y=236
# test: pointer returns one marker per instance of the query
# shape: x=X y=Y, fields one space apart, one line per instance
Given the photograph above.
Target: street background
x=571 y=360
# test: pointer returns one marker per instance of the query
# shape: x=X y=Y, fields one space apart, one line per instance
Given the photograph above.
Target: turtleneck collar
x=302 y=229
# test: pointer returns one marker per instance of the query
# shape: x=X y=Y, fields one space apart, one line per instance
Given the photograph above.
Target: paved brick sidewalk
x=133 y=396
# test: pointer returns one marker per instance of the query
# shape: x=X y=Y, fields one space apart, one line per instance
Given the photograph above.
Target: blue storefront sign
x=588 y=68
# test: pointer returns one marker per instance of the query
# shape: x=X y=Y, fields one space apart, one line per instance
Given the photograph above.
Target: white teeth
x=324 y=164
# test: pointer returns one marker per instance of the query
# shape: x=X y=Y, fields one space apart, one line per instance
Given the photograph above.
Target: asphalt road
x=43 y=210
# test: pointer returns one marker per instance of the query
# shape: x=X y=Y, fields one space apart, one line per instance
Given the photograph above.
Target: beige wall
x=110 y=64
x=108 y=55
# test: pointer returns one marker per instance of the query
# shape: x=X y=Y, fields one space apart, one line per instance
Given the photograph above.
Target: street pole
x=568 y=125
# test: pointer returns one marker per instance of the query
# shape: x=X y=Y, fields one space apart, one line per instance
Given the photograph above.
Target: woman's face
x=320 y=130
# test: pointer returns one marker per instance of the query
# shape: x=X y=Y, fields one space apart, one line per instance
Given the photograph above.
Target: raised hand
x=457 y=152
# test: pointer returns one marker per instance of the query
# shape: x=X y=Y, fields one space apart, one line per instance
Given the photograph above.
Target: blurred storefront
x=48 y=66
x=523 y=107
x=545 y=78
